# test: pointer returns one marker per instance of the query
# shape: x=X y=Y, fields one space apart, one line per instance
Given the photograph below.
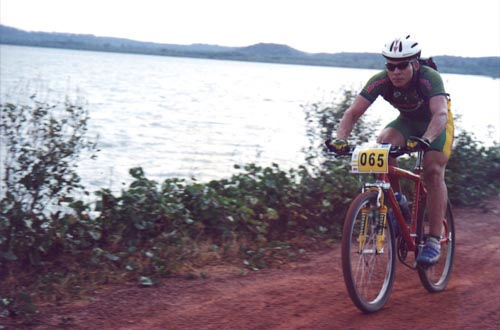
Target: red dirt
x=306 y=295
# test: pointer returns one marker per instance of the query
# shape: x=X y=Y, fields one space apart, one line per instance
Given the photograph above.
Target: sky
x=442 y=27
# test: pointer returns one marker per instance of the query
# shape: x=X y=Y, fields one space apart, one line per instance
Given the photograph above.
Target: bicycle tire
x=368 y=274
x=436 y=278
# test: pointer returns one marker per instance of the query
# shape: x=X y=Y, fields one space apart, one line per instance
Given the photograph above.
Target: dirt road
x=306 y=295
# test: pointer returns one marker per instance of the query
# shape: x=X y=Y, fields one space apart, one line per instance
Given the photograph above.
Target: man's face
x=400 y=72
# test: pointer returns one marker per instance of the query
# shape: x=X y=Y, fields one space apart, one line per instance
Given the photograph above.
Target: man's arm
x=351 y=116
x=439 y=110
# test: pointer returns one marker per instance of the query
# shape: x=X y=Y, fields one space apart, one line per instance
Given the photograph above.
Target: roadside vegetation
x=54 y=247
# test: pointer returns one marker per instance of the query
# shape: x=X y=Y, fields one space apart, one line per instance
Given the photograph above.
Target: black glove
x=337 y=146
x=415 y=143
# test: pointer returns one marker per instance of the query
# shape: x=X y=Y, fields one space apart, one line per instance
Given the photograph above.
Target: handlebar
x=394 y=151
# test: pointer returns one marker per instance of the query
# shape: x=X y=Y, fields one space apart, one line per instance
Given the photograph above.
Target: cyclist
x=418 y=93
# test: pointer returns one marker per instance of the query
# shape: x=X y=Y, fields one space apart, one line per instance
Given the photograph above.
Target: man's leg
x=437 y=197
x=437 y=193
x=396 y=138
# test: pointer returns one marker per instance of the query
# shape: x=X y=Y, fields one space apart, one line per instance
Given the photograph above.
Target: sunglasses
x=401 y=66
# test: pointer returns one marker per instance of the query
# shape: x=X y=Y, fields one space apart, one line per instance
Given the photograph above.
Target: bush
x=322 y=121
x=472 y=170
x=40 y=146
x=261 y=203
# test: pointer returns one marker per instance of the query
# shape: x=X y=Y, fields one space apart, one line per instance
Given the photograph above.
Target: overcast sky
x=443 y=27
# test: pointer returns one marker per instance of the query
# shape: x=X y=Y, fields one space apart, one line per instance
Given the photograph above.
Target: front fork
x=365 y=215
x=382 y=219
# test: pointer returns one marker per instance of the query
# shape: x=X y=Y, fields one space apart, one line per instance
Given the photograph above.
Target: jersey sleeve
x=431 y=83
x=375 y=86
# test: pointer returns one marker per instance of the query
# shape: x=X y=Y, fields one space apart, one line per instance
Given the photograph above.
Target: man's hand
x=415 y=143
x=337 y=146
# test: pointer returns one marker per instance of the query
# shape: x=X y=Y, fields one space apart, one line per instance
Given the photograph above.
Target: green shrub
x=473 y=171
x=322 y=121
x=41 y=144
x=260 y=201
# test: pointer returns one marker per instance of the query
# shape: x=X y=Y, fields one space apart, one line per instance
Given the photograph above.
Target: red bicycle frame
x=409 y=235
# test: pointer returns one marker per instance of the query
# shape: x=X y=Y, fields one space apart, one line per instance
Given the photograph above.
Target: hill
x=262 y=52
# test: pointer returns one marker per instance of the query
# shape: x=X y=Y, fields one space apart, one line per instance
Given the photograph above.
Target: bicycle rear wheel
x=368 y=270
x=435 y=278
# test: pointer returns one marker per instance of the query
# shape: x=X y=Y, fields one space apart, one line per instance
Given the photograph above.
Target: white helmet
x=401 y=49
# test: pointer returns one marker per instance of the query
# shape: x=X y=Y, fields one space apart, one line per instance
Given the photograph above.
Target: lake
x=183 y=117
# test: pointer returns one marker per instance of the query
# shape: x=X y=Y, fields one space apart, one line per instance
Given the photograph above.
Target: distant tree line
x=262 y=52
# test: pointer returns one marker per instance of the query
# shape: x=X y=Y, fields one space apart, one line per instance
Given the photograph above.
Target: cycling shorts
x=409 y=127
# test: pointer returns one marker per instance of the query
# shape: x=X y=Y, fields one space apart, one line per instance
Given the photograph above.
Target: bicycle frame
x=409 y=235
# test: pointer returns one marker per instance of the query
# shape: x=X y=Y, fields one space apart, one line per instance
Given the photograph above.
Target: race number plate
x=370 y=159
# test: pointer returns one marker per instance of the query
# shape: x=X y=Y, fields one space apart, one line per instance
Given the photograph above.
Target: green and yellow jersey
x=412 y=103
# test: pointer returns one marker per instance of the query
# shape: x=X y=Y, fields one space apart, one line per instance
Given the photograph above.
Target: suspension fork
x=380 y=221
x=365 y=211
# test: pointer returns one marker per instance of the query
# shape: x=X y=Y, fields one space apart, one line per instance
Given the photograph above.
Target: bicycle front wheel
x=368 y=267
x=435 y=278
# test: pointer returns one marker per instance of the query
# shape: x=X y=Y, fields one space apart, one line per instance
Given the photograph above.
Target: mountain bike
x=371 y=240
